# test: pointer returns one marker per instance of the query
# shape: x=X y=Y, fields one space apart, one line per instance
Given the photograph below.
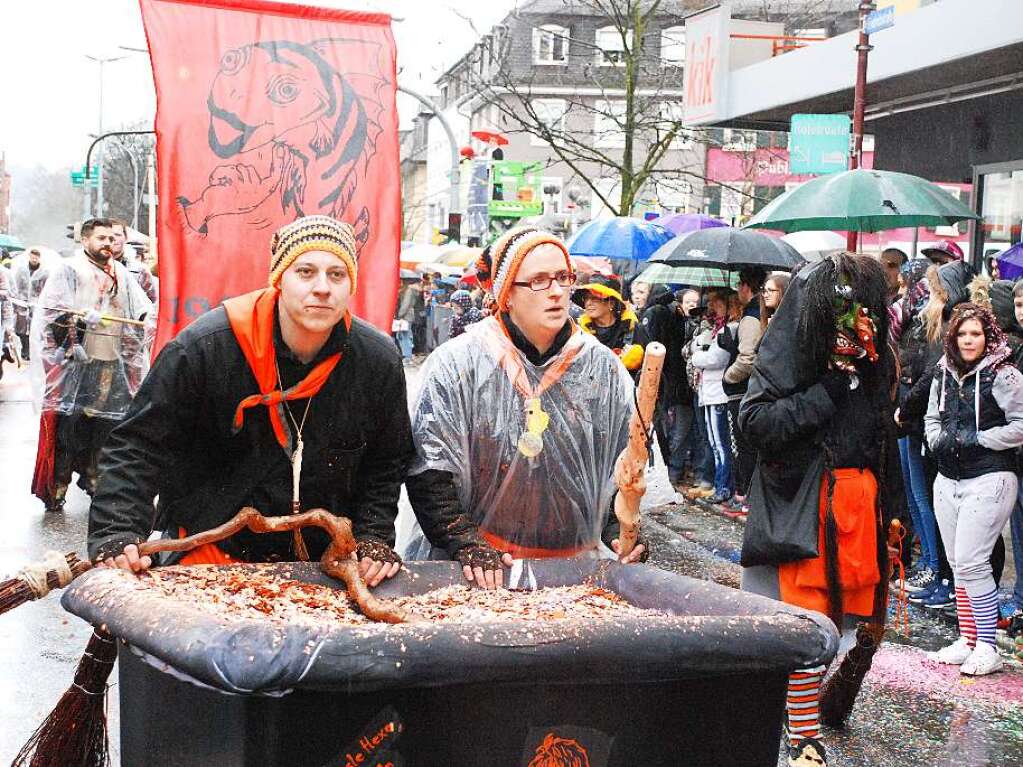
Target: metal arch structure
x=453 y=204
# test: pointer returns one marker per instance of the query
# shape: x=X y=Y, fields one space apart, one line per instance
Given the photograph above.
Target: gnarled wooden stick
x=632 y=463
x=336 y=560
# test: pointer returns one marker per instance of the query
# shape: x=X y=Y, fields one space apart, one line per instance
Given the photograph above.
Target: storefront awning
x=945 y=52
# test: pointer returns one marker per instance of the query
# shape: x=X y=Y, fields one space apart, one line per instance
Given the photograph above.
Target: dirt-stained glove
x=375 y=550
x=479 y=555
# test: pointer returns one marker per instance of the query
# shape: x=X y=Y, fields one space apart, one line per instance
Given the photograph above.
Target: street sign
x=819 y=144
x=78 y=177
x=879 y=19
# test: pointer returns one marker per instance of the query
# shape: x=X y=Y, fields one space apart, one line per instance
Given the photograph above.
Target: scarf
x=252 y=320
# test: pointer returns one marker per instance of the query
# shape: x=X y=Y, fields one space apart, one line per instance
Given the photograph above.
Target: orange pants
x=804 y=583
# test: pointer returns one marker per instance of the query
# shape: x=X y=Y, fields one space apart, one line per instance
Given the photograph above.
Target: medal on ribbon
x=531 y=442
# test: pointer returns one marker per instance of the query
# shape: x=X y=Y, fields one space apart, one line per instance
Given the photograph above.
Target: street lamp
x=99 y=181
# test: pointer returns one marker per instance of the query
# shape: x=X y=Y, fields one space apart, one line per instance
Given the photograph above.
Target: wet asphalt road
x=910 y=711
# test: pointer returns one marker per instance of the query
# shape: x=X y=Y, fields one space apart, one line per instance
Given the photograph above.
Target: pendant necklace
x=296 y=466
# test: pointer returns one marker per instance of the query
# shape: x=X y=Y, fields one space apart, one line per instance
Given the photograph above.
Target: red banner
x=267 y=112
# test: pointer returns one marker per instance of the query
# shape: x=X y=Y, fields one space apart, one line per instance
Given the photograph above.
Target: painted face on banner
x=294 y=135
x=267 y=113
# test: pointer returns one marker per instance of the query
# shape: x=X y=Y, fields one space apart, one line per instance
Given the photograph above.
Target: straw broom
x=74 y=734
x=838 y=694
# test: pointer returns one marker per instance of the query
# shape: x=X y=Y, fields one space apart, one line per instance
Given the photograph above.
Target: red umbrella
x=489 y=137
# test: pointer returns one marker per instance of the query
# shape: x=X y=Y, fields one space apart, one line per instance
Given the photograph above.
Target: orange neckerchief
x=252 y=321
x=508 y=357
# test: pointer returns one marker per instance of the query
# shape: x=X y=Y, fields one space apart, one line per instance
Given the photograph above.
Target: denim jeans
x=919 y=500
x=699 y=443
x=1016 y=527
x=404 y=340
x=721 y=445
x=673 y=428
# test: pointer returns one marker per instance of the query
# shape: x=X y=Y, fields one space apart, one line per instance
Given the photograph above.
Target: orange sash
x=252 y=321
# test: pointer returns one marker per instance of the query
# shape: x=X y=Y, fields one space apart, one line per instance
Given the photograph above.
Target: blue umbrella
x=1010 y=262
x=619 y=238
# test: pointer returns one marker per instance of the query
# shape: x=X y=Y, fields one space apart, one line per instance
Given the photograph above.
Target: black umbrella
x=727 y=248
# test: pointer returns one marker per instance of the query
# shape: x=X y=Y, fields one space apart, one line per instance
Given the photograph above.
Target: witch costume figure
x=517 y=446
x=87 y=362
x=828 y=480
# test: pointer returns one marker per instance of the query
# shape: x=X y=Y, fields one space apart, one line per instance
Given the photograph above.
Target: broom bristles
x=839 y=692
x=15 y=592
x=75 y=732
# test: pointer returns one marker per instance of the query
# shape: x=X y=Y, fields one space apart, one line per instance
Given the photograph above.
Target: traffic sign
x=819 y=144
x=879 y=19
x=78 y=177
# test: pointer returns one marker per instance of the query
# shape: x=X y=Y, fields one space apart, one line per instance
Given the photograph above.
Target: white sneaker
x=955 y=654
x=982 y=661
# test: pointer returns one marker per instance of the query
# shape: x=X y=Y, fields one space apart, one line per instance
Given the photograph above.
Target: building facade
x=5 y=196
x=559 y=63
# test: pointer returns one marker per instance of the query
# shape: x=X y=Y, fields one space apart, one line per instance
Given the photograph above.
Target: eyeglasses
x=765 y=291
x=564 y=278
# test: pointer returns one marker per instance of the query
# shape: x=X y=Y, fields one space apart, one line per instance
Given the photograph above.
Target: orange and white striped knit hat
x=313 y=233
x=507 y=254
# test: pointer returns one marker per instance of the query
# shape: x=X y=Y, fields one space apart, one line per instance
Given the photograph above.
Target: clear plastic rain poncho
x=532 y=448
x=29 y=284
x=82 y=366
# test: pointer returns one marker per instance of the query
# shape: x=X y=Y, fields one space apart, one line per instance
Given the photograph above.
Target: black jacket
x=964 y=412
x=177 y=441
x=664 y=323
x=789 y=416
x=919 y=365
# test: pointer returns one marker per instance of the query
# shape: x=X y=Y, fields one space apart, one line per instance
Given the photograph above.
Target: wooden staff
x=76 y=313
x=629 y=473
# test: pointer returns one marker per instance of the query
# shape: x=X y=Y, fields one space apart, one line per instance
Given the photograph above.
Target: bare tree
x=124 y=175
x=628 y=128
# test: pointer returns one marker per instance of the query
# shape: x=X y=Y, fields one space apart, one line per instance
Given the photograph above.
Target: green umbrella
x=698 y=276
x=7 y=242
x=862 y=201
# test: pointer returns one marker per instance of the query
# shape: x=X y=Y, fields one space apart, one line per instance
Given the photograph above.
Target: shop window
x=762 y=196
x=712 y=195
x=550 y=44
x=673 y=46
x=1002 y=209
x=610 y=50
x=733 y=140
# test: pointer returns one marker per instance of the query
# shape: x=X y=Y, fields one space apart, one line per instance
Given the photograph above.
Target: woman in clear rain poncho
x=518 y=426
x=86 y=362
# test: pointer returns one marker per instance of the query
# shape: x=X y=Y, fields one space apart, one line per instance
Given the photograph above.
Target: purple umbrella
x=1010 y=262
x=683 y=223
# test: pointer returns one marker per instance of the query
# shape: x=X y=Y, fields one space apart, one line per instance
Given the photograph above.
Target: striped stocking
x=967 y=626
x=803 y=703
x=985 y=614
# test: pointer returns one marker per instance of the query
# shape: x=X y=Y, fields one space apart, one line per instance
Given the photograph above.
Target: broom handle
x=627 y=510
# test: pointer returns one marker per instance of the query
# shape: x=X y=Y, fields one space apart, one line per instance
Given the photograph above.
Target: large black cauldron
x=705 y=686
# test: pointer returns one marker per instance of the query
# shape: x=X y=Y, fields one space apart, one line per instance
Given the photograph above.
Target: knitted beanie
x=312 y=233
x=507 y=254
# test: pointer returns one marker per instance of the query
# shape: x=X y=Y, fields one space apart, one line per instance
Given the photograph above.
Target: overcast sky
x=49 y=90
